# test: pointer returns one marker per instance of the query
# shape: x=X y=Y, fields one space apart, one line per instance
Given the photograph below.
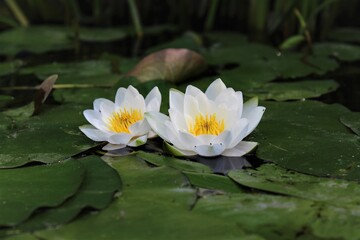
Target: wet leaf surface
x=352 y=121
x=45 y=142
x=308 y=137
x=23 y=190
x=34 y=39
x=340 y=51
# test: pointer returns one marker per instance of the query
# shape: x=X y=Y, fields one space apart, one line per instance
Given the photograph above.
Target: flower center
x=122 y=120
x=207 y=124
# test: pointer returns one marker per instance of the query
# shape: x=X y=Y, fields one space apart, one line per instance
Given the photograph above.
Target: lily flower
x=122 y=123
x=208 y=124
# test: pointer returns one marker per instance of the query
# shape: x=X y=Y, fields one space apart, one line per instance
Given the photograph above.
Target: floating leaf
x=83 y=95
x=21 y=113
x=213 y=181
x=182 y=165
x=308 y=137
x=226 y=39
x=272 y=178
x=352 y=121
x=351 y=35
x=155 y=200
x=10 y=67
x=189 y=40
x=101 y=34
x=25 y=189
x=264 y=215
x=174 y=65
x=282 y=91
x=48 y=137
x=34 y=39
x=5 y=99
x=96 y=191
x=341 y=51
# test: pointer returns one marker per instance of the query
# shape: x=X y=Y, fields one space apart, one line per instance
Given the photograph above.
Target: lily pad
x=34 y=39
x=174 y=65
x=341 y=51
x=83 y=95
x=25 y=189
x=308 y=137
x=94 y=72
x=352 y=121
x=155 y=200
x=272 y=178
x=182 y=165
x=213 y=182
x=5 y=99
x=351 y=35
x=282 y=91
x=96 y=192
x=64 y=140
x=227 y=39
x=264 y=215
x=101 y=34
x=10 y=67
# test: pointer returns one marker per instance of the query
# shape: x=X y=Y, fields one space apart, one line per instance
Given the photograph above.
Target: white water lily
x=122 y=123
x=208 y=124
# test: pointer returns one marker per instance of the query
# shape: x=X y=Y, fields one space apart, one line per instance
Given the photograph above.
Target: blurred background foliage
x=266 y=20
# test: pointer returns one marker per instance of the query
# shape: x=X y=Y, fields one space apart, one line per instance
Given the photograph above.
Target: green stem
x=18 y=13
x=211 y=15
x=135 y=17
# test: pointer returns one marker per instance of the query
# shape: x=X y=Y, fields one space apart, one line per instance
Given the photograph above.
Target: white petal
x=120 y=97
x=178 y=152
x=189 y=141
x=191 y=109
x=110 y=147
x=254 y=118
x=94 y=118
x=177 y=118
x=133 y=100
x=97 y=103
x=240 y=100
x=239 y=132
x=157 y=122
x=93 y=133
x=176 y=100
x=151 y=134
x=210 y=150
x=120 y=138
x=205 y=106
x=139 y=128
x=224 y=138
x=215 y=88
x=107 y=109
x=241 y=149
x=192 y=91
x=153 y=100
x=249 y=106
x=138 y=141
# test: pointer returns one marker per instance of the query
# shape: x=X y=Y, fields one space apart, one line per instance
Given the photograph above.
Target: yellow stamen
x=207 y=124
x=122 y=120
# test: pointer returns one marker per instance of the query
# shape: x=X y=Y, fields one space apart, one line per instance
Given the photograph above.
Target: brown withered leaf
x=174 y=65
x=44 y=90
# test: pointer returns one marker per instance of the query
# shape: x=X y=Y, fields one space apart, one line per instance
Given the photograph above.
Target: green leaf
x=5 y=99
x=23 y=190
x=34 y=39
x=182 y=165
x=83 y=95
x=341 y=51
x=213 y=182
x=10 y=67
x=272 y=178
x=351 y=35
x=264 y=215
x=282 y=91
x=97 y=190
x=101 y=34
x=95 y=72
x=21 y=113
x=51 y=136
x=226 y=39
x=154 y=204
x=308 y=137
x=352 y=121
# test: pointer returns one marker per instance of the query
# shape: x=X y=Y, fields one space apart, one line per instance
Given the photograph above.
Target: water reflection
x=223 y=164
